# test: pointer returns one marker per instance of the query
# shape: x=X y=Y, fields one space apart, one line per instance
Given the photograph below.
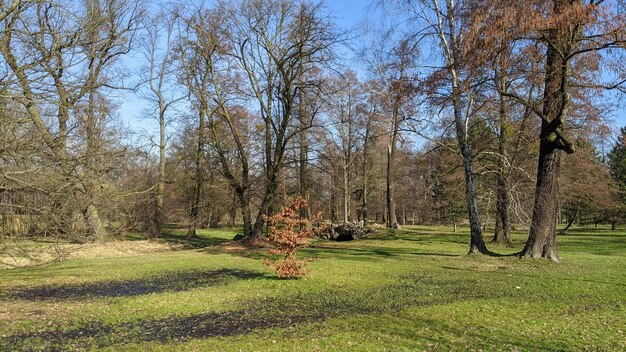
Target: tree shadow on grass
x=273 y=312
x=171 y=282
x=372 y=252
x=192 y=243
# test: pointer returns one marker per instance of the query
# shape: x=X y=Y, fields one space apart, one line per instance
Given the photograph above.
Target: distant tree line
x=486 y=113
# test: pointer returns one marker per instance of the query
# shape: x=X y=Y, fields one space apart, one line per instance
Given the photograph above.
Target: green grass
x=405 y=290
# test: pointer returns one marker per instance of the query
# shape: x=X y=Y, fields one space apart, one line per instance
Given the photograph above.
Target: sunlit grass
x=411 y=289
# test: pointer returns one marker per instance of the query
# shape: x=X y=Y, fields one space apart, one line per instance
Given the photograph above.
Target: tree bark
x=264 y=210
x=160 y=189
x=503 y=225
x=541 y=241
x=364 y=195
x=96 y=227
x=303 y=171
x=198 y=179
x=452 y=53
x=346 y=195
x=392 y=220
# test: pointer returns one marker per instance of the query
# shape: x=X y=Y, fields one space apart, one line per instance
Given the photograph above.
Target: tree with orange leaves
x=288 y=232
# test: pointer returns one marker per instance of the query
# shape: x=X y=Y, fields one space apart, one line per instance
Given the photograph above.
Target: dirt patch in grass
x=21 y=254
x=170 y=281
x=276 y=312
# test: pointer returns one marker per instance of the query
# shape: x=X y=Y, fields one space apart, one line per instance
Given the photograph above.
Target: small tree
x=288 y=232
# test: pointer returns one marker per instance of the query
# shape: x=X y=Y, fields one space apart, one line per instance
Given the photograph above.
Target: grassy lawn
x=412 y=289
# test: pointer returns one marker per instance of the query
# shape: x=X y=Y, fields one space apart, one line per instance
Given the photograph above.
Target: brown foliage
x=288 y=232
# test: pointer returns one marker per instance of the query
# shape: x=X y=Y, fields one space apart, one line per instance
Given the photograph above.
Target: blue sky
x=348 y=13
x=133 y=110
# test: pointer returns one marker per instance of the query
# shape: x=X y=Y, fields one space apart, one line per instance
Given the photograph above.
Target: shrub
x=288 y=232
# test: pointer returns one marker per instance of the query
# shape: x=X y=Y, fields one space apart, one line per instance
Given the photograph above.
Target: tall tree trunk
x=392 y=219
x=303 y=172
x=160 y=189
x=477 y=244
x=542 y=235
x=346 y=193
x=333 y=204
x=91 y=176
x=541 y=241
x=364 y=194
x=452 y=53
x=266 y=207
x=198 y=179
x=503 y=226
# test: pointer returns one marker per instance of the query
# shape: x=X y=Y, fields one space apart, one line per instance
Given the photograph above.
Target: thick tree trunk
x=264 y=210
x=94 y=223
x=243 y=199
x=266 y=207
x=247 y=217
x=91 y=176
x=365 y=185
x=542 y=236
x=503 y=225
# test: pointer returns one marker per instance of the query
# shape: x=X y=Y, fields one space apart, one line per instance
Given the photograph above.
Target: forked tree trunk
x=266 y=208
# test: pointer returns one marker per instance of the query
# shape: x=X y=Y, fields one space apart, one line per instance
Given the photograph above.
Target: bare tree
x=206 y=56
x=161 y=91
x=452 y=86
x=272 y=41
x=57 y=69
x=345 y=111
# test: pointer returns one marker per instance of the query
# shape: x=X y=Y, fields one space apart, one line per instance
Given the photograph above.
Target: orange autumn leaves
x=288 y=233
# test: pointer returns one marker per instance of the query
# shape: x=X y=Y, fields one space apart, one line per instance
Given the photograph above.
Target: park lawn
x=410 y=289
